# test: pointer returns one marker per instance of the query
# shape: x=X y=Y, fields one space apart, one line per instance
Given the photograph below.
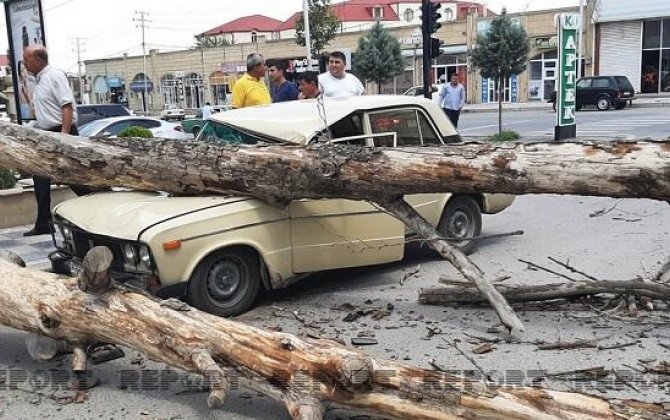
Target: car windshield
x=87 y=130
x=213 y=132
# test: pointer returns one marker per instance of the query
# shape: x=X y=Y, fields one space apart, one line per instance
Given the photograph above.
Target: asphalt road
x=629 y=123
x=606 y=238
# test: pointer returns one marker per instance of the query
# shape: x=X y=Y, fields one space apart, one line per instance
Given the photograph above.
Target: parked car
x=604 y=92
x=418 y=91
x=173 y=114
x=193 y=125
x=88 y=113
x=219 y=251
x=111 y=127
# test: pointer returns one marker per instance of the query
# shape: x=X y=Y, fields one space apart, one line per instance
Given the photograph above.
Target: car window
x=584 y=84
x=347 y=127
x=403 y=122
x=601 y=83
x=116 y=128
x=623 y=82
x=86 y=110
x=87 y=130
x=428 y=135
x=213 y=132
x=146 y=123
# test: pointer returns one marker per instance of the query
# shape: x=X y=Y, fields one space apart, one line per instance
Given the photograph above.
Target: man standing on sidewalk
x=54 y=111
x=336 y=82
x=452 y=99
x=282 y=90
x=250 y=89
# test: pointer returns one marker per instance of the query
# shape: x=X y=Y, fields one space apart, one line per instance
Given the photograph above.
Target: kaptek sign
x=566 y=97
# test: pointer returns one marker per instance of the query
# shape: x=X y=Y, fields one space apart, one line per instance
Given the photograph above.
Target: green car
x=193 y=125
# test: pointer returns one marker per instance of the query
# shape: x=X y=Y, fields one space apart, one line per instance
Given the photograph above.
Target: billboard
x=566 y=125
x=25 y=26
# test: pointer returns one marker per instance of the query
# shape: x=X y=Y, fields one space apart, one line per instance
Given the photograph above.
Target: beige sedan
x=220 y=251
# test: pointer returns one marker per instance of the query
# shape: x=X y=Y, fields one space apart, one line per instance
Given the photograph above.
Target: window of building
x=254 y=37
x=377 y=13
x=651 y=37
x=409 y=15
x=655 y=68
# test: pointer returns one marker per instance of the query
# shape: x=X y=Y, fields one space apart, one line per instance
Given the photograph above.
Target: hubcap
x=224 y=279
x=459 y=226
x=603 y=103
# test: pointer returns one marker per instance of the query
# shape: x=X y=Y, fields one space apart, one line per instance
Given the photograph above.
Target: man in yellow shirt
x=250 y=89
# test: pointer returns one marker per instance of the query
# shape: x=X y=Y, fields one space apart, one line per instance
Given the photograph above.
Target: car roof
x=126 y=117
x=299 y=121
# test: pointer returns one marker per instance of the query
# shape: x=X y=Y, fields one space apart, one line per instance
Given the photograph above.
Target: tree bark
x=306 y=375
x=463 y=292
x=283 y=173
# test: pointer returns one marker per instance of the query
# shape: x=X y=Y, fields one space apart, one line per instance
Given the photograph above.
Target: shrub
x=136 y=132
x=505 y=136
x=7 y=178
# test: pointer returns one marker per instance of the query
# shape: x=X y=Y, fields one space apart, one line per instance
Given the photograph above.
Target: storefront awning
x=114 y=82
x=140 y=86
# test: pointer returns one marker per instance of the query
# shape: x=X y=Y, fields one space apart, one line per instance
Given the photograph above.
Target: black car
x=88 y=113
x=604 y=92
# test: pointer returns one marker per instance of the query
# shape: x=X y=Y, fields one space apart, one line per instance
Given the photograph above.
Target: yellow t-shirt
x=250 y=91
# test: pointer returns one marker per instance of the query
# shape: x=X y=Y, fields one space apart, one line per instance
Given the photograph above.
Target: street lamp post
x=308 y=36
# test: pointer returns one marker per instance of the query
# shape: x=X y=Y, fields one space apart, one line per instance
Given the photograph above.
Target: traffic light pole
x=425 y=8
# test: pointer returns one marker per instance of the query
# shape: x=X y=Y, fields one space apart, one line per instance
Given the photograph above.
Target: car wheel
x=620 y=105
x=195 y=131
x=461 y=221
x=603 y=103
x=226 y=283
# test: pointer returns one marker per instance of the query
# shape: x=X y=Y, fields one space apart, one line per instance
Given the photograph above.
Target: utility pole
x=581 y=39
x=143 y=23
x=308 y=35
x=79 y=43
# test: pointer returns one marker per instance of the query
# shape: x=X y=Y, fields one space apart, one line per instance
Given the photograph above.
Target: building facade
x=189 y=78
x=634 y=40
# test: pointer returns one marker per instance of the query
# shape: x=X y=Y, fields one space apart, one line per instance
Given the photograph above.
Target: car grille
x=84 y=241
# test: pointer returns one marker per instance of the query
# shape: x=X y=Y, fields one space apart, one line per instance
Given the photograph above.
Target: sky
x=107 y=29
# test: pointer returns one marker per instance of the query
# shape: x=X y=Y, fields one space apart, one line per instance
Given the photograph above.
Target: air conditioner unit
x=449 y=12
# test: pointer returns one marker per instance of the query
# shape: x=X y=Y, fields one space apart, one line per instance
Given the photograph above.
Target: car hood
x=126 y=215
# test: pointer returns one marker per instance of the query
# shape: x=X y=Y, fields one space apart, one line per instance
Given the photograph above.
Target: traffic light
x=435 y=45
x=430 y=17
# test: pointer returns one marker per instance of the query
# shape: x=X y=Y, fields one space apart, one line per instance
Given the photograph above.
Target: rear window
x=623 y=83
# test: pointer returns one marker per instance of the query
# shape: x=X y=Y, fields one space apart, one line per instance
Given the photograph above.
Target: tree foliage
x=323 y=24
x=135 y=131
x=501 y=52
x=378 y=57
x=211 y=42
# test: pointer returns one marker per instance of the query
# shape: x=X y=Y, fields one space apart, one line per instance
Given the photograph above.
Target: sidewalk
x=33 y=249
x=641 y=101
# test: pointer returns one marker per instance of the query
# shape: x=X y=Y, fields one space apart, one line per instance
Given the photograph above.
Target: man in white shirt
x=336 y=82
x=452 y=99
x=206 y=111
x=54 y=111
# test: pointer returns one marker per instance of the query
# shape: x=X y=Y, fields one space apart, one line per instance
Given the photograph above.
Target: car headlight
x=67 y=233
x=145 y=258
x=59 y=237
x=130 y=254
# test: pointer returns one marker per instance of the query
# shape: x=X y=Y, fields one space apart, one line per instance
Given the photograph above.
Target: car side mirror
x=105 y=134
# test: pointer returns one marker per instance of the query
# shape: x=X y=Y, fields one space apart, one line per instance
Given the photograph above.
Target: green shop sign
x=568 y=25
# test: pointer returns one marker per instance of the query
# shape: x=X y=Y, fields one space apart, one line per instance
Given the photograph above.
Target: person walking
x=309 y=85
x=452 y=99
x=53 y=102
x=336 y=82
x=281 y=90
x=250 y=89
x=206 y=111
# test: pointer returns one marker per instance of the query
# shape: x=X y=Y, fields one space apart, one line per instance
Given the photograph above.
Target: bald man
x=54 y=111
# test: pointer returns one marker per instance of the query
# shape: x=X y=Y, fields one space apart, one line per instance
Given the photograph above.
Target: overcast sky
x=108 y=29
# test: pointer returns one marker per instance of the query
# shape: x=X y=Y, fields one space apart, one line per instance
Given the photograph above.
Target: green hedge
x=136 y=132
x=7 y=178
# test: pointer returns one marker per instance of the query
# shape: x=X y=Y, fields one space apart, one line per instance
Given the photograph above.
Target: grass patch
x=505 y=136
x=7 y=178
x=134 y=131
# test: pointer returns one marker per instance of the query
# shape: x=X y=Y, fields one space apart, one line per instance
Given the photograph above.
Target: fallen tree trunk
x=281 y=173
x=308 y=376
x=462 y=292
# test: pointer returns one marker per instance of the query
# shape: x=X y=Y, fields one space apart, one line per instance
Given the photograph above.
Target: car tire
x=226 y=283
x=620 y=105
x=603 y=103
x=461 y=218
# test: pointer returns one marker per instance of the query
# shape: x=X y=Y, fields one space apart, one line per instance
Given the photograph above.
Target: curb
x=548 y=108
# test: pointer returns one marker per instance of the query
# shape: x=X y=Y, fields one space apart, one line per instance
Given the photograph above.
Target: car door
x=413 y=129
x=114 y=129
x=337 y=233
x=583 y=92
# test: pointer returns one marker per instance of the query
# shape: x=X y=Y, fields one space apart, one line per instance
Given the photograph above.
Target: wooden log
x=466 y=293
x=469 y=269
x=281 y=173
x=307 y=375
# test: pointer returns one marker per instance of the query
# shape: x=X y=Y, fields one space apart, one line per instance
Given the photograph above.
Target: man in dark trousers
x=452 y=99
x=54 y=111
x=282 y=90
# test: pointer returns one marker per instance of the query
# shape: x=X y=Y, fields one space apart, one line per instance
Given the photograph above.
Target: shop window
x=666 y=33
x=535 y=70
x=650 y=71
x=665 y=70
x=651 y=37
